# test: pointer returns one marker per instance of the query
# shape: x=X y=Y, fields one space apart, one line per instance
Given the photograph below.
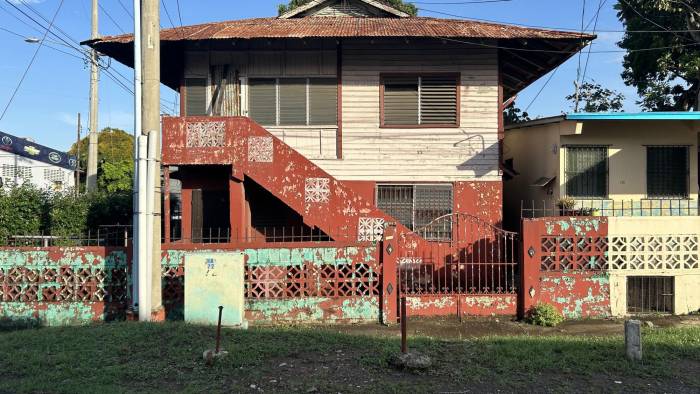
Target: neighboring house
x=405 y=111
x=23 y=161
x=638 y=172
x=610 y=164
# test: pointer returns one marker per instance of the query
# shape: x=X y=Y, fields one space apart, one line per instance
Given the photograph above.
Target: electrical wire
x=601 y=3
x=459 y=2
x=110 y=18
x=179 y=13
x=26 y=70
x=126 y=9
x=542 y=88
x=167 y=13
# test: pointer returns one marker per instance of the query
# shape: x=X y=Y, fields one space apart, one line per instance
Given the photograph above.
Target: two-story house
x=405 y=112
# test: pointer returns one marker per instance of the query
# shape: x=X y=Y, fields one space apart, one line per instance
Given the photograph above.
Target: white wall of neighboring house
x=17 y=170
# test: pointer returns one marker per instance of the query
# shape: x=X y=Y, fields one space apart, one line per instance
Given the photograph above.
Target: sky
x=56 y=85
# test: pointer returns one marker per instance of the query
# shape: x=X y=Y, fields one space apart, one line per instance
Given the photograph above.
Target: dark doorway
x=210 y=219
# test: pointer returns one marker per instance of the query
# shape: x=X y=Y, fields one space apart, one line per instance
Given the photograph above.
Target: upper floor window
x=411 y=100
x=293 y=101
x=668 y=168
x=587 y=171
x=195 y=96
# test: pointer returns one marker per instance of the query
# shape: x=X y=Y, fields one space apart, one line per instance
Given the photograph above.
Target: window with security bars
x=420 y=100
x=417 y=207
x=668 y=170
x=650 y=294
x=586 y=171
x=293 y=101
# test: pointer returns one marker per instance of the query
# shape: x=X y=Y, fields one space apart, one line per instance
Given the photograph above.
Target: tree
x=514 y=115
x=408 y=8
x=669 y=78
x=115 y=150
x=595 y=98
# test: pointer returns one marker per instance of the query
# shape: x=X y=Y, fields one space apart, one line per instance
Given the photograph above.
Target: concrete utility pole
x=77 y=162
x=91 y=178
x=150 y=123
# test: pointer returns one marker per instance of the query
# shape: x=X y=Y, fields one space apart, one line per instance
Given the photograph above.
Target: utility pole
x=150 y=123
x=91 y=178
x=576 y=99
x=77 y=162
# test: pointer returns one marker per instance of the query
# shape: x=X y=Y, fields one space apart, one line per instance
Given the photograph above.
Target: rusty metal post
x=404 y=318
x=218 y=331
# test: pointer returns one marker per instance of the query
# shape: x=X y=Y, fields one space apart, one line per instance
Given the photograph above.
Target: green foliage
x=67 y=214
x=595 y=98
x=115 y=150
x=22 y=210
x=514 y=115
x=115 y=176
x=408 y=8
x=544 y=315
x=669 y=78
x=26 y=210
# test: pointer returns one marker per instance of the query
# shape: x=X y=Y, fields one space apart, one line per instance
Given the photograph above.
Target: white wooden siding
x=420 y=154
x=469 y=152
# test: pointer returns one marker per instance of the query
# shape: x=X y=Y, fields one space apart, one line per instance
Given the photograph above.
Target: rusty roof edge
x=566 y=35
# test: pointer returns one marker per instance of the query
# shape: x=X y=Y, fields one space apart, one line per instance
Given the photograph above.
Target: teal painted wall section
x=62 y=286
x=307 y=309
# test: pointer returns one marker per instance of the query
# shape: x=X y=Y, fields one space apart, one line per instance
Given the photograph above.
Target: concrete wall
x=655 y=246
x=19 y=170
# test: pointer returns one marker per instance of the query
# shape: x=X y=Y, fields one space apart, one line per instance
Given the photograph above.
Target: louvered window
x=417 y=207
x=293 y=101
x=667 y=171
x=195 y=96
x=587 y=171
x=425 y=100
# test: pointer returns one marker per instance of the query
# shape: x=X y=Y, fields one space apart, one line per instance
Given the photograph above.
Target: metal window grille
x=650 y=294
x=587 y=171
x=417 y=206
x=668 y=170
x=420 y=100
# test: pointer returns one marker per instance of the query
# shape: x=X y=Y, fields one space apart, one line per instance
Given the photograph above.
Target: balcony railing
x=609 y=207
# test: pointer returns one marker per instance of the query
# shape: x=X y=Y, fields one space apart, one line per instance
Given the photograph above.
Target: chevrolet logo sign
x=31 y=150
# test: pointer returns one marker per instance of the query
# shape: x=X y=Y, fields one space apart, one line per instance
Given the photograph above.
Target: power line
x=126 y=9
x=26 y=70
x=601 y=3
x=110 y=18
x=541 y=89
x=179 y=14
x=569 y=29
x=167 y=13
x=459 y=2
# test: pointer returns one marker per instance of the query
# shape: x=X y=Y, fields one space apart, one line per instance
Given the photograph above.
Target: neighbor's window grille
x=587 y=171
x=420 y=100
x=650 y=294
x=417 y=206
x=667 y=171
x=293 y=101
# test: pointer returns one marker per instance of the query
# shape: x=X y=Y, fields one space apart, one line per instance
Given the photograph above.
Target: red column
x=186 y=214
x=166 y=204
x=390 y=288
x=530 y=265
x=238 y=217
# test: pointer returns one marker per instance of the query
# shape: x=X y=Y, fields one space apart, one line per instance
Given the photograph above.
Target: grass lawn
x=133 y=357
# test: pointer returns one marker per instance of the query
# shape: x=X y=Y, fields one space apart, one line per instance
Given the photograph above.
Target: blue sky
x=56 y=87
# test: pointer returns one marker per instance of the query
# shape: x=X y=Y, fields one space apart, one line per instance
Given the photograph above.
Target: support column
x=529 y=266
x=238 y=218
x=91 y=171
x=389 y=261
x=166 y=204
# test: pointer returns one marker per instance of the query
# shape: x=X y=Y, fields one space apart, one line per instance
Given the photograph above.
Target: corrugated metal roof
x=328 y=27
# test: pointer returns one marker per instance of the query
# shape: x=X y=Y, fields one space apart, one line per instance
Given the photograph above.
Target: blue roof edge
x=634 y=116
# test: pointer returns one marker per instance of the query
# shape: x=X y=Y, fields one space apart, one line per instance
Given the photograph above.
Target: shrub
x=22 y=211
x=544 y=315
x=68 y=214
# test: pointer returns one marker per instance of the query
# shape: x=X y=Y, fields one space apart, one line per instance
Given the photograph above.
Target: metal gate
x=459 y=254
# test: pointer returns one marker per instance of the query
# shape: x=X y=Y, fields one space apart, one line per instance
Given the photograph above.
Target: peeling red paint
x=464 y=305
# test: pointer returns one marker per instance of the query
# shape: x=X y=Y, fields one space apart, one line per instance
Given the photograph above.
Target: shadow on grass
x=8 y=324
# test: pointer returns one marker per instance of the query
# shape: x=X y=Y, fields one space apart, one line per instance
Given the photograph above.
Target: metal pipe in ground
x=218 y=331
x=404 y=318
